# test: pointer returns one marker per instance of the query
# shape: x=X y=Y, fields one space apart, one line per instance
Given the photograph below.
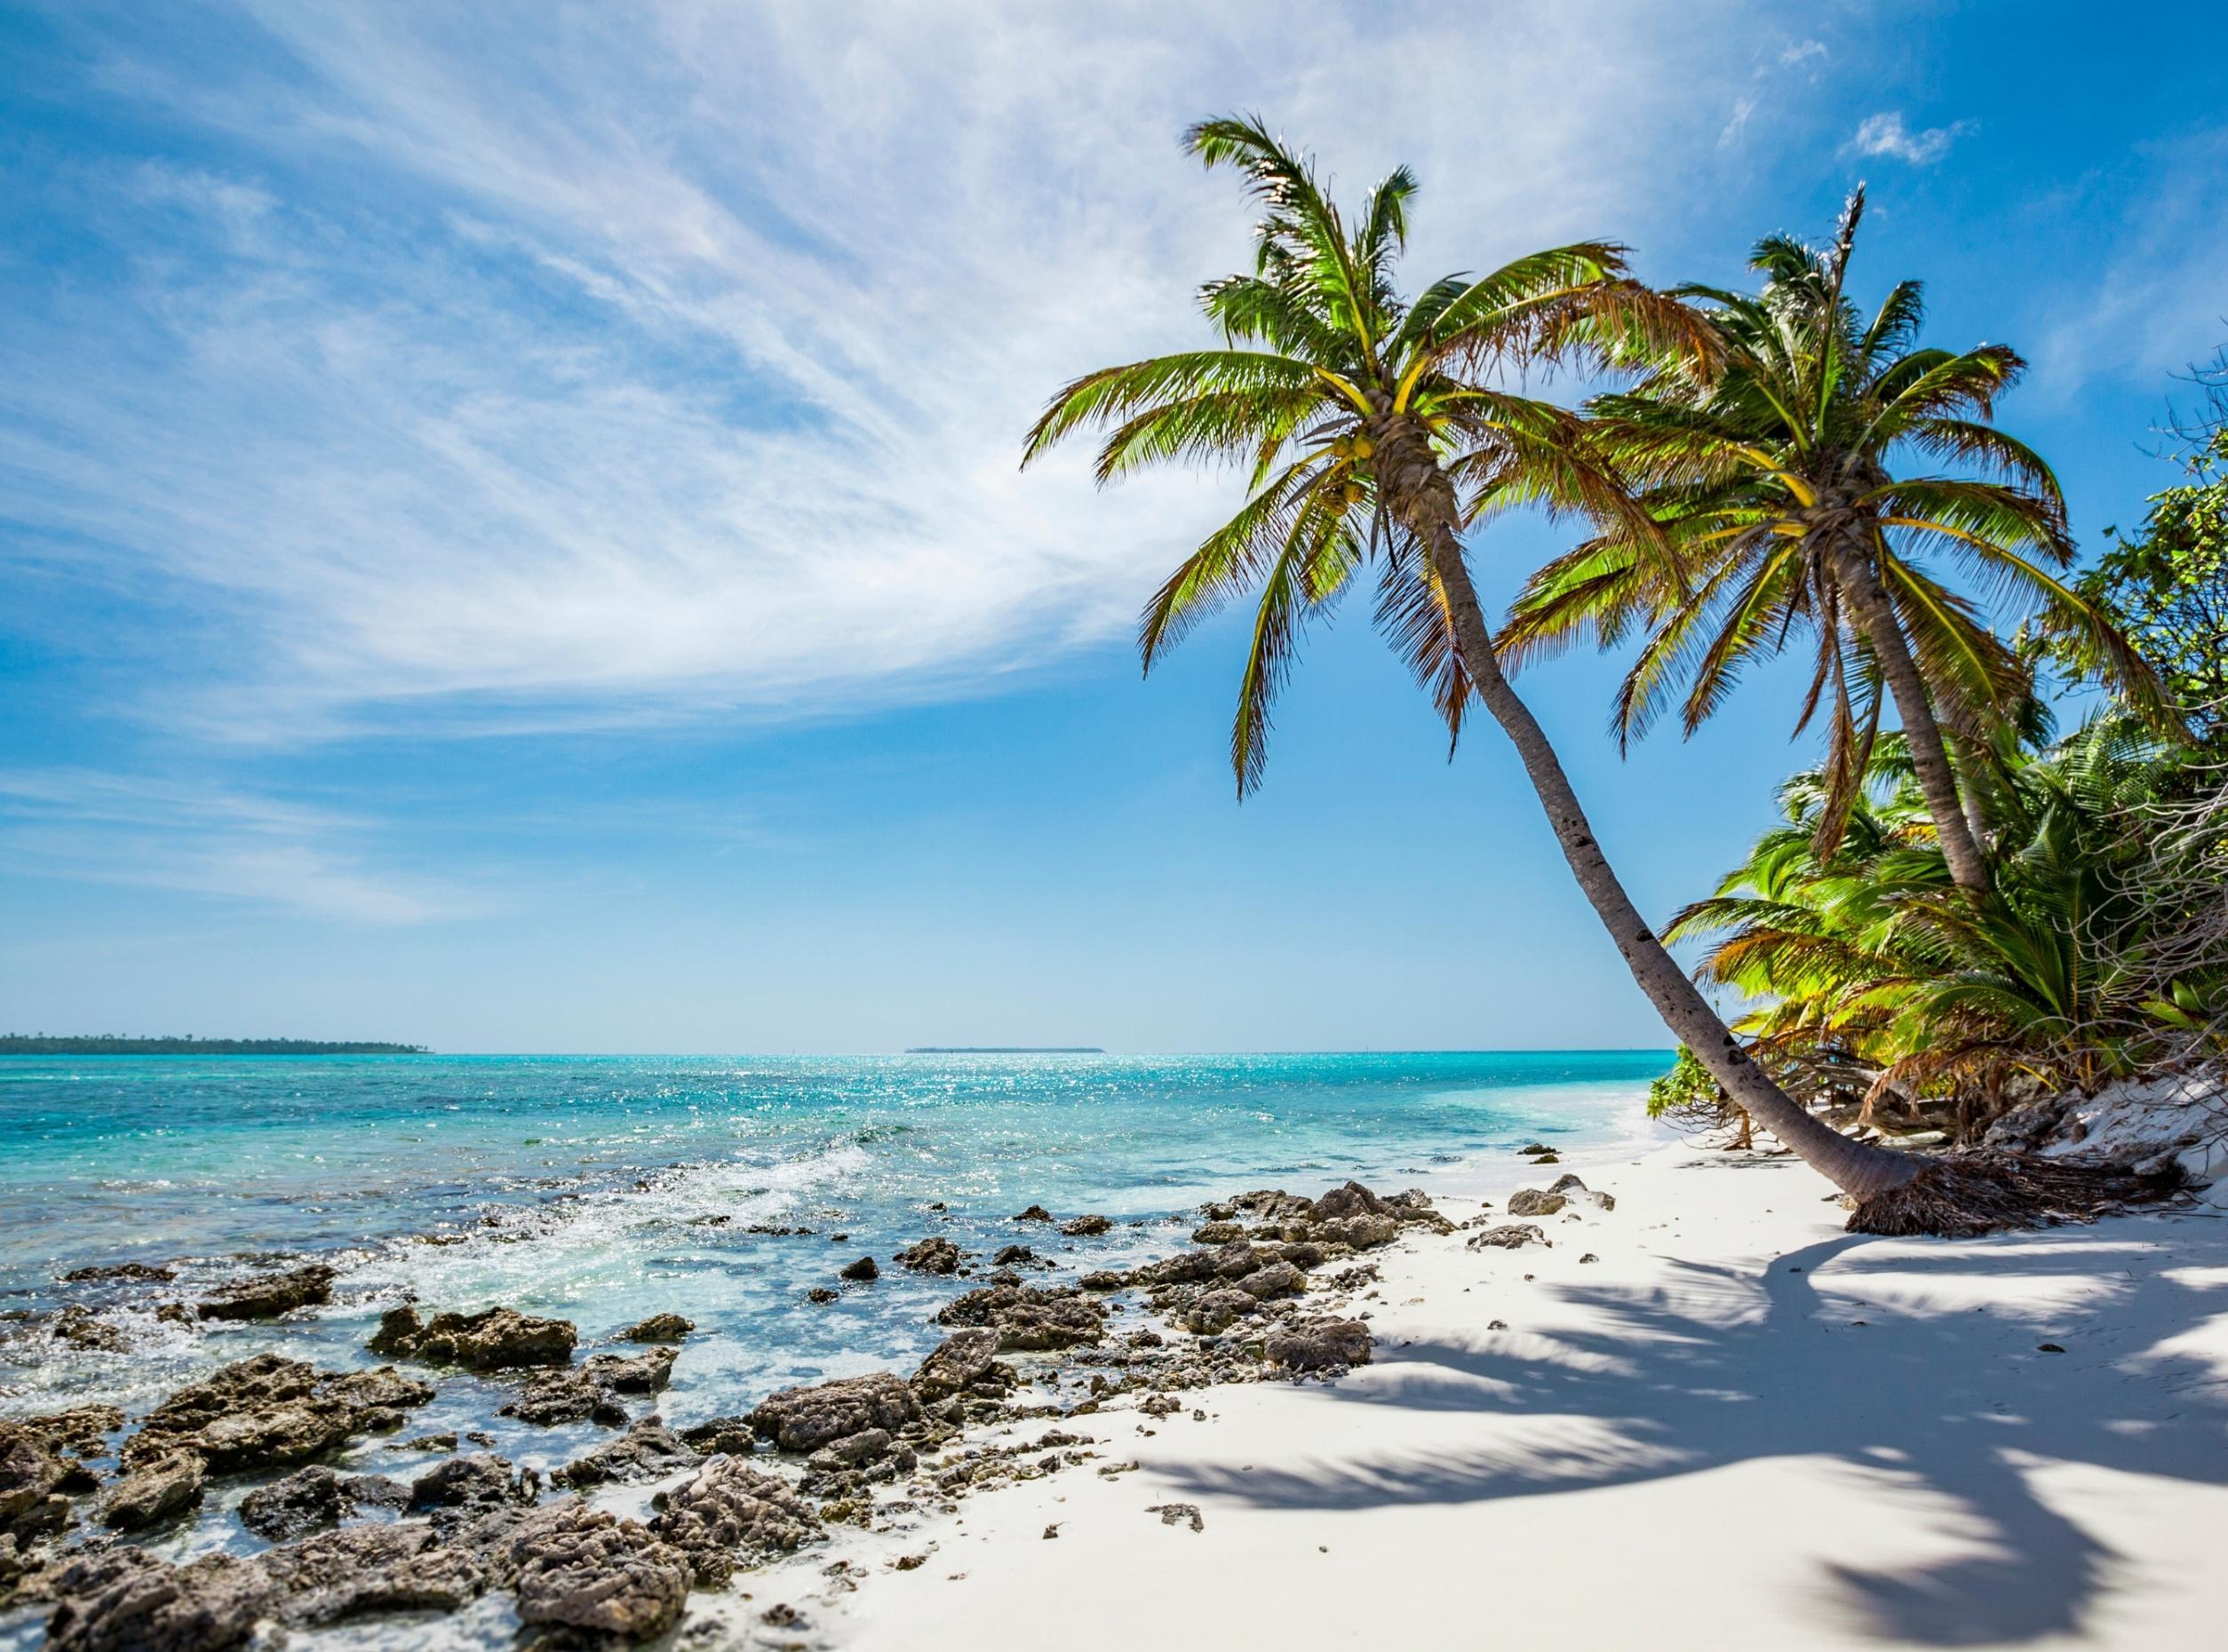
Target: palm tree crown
x=1777 y=476
x=1321 y=352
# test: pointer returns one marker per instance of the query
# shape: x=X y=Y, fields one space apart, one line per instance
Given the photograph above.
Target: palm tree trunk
x=1857 y=1168
x=1930 y=754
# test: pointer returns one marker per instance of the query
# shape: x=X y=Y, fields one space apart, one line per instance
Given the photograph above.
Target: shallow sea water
x=589 y=1188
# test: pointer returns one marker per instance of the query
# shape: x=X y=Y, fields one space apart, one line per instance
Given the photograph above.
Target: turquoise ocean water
x=589 y=1187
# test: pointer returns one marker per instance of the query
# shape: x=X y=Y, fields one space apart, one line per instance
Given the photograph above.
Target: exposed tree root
x=1970 y=1194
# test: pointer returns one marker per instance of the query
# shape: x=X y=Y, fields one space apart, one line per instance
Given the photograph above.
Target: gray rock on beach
x=1218 y=1310
x=1577 y=1193
x=965 y=1362
x=730 y=1509
x=584 y=1569
x=1277 y=1279
x=1508 y=1236
x=1318 y=1345
x=1534 y=1202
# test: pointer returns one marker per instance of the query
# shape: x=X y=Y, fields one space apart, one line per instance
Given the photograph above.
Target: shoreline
x=1971 y=1439
x=1740 y=1426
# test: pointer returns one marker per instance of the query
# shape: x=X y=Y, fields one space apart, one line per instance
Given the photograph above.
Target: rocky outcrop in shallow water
x=464 y=1489
x=314 y=1498
x=716 y=1435
x=586 y=1577
x=658 y=1327
x=588 y=1392
x=155 y=1491
x=34 y=1482
x=269 y=1411
x=933 y=1255
x=360 y=1571
x=134 y=1273
x=124 y=1599
x=494 y=1339
x=267 y=1296
x=646 y=1451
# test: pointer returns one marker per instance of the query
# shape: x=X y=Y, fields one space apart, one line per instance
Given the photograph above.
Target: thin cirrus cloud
x=565 y=367
x=215 y=842
x=1887 y=135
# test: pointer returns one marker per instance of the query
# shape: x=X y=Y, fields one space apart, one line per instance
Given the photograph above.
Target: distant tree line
x=109 y=1043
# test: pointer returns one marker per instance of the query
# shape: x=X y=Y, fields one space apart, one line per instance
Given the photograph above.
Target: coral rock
x=729 y=1508
x=805 y=1419
x=497 y=1338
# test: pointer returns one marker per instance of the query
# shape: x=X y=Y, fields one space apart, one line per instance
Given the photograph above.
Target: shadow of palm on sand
x=1937 y=1397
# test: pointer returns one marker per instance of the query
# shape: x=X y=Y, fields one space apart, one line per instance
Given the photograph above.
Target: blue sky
x=510 y=538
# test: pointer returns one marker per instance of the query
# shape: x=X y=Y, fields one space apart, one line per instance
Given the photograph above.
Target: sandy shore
x=1740 y=1427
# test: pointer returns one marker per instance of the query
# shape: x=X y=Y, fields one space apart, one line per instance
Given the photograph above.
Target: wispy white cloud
x=594 y=366
x=1802 y=52
x=1736 y=123
x=228 y=845
x=2150 y=301
x=1887 y=135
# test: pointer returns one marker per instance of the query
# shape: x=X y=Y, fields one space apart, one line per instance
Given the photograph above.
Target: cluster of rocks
x=1563 y=1198
x=472 y=1523
x=93 y=1328
x=571 y=1568
x=591 y=1391
x=551 y=1388
x=260 y=1414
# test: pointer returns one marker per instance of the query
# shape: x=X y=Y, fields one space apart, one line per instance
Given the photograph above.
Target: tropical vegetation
x=1875 y=982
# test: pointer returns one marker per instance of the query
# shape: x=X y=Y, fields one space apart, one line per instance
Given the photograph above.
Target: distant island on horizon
x=105 y=1043
x=1003 y=1049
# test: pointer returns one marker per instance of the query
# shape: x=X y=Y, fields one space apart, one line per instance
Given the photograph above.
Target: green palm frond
x=1323 y=358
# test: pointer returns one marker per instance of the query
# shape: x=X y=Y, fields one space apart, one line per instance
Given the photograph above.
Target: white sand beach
x=1740 y=1427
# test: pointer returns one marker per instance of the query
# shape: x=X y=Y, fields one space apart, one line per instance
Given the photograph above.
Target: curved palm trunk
x=1930 y=754
x=1424 y=500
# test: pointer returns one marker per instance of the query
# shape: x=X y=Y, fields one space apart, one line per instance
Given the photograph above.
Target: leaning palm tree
x=1373 y=427
x=1777 y=474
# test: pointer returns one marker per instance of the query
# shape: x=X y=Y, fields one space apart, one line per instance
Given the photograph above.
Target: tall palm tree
x=1373 y=427
x=1775 y=473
